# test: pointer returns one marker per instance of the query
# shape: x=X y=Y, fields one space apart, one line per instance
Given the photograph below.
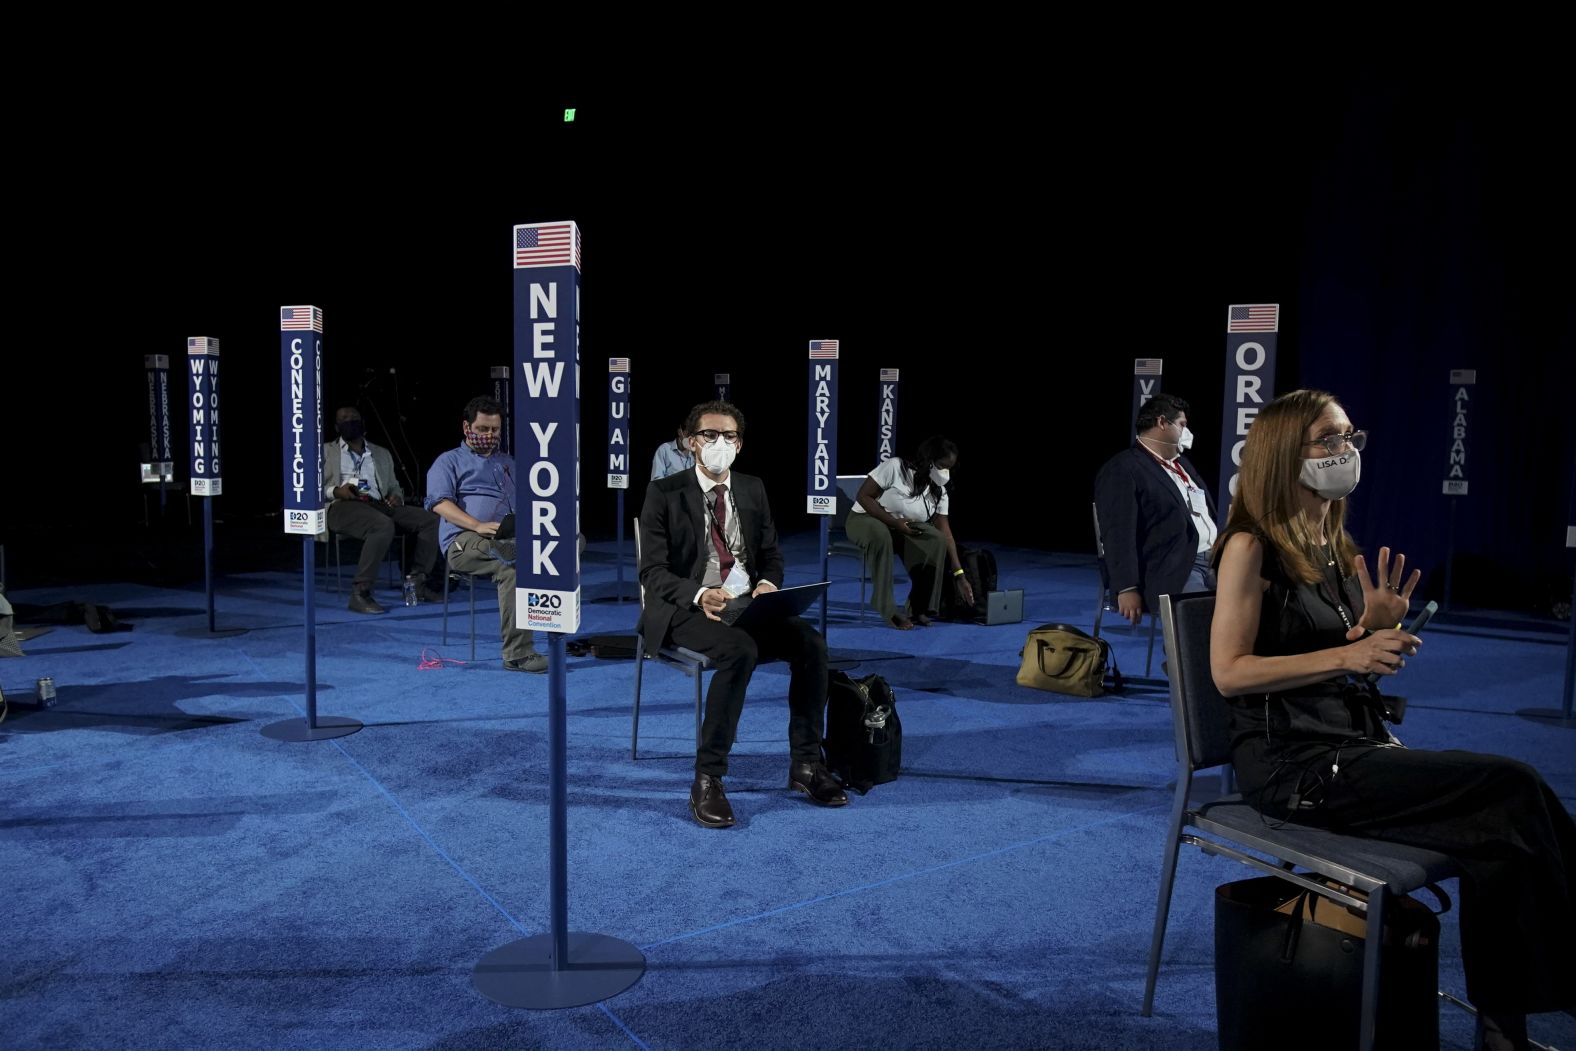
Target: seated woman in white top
x=902 y=505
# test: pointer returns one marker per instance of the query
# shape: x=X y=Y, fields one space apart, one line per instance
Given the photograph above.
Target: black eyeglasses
x=1336 y=444
x=731 y=437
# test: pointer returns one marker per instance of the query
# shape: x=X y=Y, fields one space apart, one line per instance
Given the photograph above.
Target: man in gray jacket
x=366 y=502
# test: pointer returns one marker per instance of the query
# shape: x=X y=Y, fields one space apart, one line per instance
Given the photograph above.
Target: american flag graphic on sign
x=202 y=344
x=618 y=364
x=889 y=375
x=550 y=244
x=302 y=319
x=1256 y=317
x=823 y=348
x=1147 y=366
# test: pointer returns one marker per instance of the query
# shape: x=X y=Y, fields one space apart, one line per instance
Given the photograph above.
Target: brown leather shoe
x=815 y=781
x=708 y=803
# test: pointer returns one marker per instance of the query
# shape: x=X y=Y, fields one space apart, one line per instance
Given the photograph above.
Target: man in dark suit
x=1157 y=517
x=706 y=536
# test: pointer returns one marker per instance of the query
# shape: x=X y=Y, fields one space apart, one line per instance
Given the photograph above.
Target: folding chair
x=840 y=545
x=394 y=566
x=1229 y=827
x=1108 y=601
x=688 y=661
x=470 y=580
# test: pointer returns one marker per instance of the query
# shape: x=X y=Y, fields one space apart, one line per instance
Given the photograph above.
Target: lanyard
x=1175 y=468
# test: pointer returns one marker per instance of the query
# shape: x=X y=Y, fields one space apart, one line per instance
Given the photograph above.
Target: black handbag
x=1289 y=970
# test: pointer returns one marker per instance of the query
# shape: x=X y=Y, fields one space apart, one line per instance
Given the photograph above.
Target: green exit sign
x=569 y=115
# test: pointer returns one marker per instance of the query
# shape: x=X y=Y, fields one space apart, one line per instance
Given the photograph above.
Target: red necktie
x=719 y=540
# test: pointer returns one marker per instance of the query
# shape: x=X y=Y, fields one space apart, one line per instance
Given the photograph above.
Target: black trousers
x=1514 y=839
x=735 y=652
x=375 y=529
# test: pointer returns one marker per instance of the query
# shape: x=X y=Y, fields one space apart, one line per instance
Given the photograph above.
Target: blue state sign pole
x=620 y=464
x=501 y=376
x=1146 y=384
x=560 y=968
x=301 y=409
x=1456 y=483
x=202 y=414
x=160 y=441
x=886 y=427
x=821 y=463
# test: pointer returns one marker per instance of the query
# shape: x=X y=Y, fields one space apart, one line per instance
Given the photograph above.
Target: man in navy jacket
x=1157 y=517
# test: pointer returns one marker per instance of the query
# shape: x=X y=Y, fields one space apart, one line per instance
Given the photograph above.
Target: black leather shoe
x=708 y=803
x=531 y=662
x=363 y=602
x=815 y=781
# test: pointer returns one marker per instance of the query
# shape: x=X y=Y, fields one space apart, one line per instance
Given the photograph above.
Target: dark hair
x=930 y=452
x=713 y=408
x=482 y=406
x=1167 y=405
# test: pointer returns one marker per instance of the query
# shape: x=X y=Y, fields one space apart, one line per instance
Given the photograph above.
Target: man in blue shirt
x=471 y=488
x=672 y=458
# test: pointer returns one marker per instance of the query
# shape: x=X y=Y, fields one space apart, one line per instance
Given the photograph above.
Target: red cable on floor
x=431 y=661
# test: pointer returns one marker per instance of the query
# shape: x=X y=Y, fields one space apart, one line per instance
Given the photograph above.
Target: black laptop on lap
x=784 y=602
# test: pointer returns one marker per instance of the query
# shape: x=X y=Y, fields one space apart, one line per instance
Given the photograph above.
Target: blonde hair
x=1267 y=503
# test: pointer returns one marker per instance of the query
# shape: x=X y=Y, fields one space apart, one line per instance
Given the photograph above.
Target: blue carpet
x=175 y=879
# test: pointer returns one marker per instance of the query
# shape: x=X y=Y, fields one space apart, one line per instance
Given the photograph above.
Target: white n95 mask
x=718 y=455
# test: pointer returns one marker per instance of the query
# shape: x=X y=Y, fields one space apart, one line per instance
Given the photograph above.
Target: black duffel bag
x=1289 y=970
x=864 y=736
x=979 y=569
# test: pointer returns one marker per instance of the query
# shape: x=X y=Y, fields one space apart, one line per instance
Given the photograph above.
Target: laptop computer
x=784 y=602
x=1004 y=607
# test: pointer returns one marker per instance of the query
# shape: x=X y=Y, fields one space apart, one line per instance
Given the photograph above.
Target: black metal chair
x=1108 y=601
x=1229 y=827
x=687 y=661
x=840 y=545
x=470 y=581
x=394 y=565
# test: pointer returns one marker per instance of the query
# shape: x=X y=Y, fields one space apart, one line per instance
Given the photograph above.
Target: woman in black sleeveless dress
x=1299 y=624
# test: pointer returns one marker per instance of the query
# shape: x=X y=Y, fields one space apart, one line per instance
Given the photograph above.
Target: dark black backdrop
x=1012 y=252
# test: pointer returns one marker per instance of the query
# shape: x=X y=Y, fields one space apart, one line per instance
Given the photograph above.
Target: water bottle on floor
x=410 y=591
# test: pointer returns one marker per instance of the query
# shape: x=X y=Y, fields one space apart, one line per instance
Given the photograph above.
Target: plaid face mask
x=481 y=444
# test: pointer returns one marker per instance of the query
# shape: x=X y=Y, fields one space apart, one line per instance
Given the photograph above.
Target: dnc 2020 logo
x=536 y=601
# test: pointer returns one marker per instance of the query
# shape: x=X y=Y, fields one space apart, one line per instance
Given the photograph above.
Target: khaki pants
x=471 y=552
x=924 y=553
